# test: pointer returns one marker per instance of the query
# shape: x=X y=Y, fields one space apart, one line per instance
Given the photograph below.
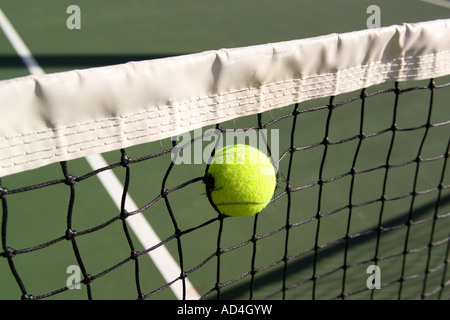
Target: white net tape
x=68 y=115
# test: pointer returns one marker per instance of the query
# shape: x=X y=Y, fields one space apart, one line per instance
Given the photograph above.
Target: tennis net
x=357 y=125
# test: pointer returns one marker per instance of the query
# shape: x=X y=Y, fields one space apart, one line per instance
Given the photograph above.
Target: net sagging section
x=360 y=126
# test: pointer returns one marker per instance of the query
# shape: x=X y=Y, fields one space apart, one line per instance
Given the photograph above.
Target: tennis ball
x=243 y=180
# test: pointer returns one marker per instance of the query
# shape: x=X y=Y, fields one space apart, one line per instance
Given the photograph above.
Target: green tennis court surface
x=115 y=32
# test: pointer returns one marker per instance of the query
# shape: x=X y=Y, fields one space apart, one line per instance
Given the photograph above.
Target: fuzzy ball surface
x=243 y=180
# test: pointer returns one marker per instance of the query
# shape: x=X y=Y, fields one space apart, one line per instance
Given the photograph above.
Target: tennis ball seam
x=238 y=203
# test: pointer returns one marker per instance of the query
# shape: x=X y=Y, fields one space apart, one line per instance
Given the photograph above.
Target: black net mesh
x=362 y=186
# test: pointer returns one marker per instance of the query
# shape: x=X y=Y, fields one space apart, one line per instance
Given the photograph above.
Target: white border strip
x=147 y=236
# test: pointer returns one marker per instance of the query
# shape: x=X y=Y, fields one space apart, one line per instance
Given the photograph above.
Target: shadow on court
x=301 y=268
x=77 y=61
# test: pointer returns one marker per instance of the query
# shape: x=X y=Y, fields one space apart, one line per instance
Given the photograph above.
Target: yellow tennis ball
x=243 y=180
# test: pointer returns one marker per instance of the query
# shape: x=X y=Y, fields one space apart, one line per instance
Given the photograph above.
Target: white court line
x=143 y=230
x=441 y=3
x=19 y=46
x=161 y=256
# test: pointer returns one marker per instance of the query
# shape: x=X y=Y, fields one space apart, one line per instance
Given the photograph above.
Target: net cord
x=76 y=113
